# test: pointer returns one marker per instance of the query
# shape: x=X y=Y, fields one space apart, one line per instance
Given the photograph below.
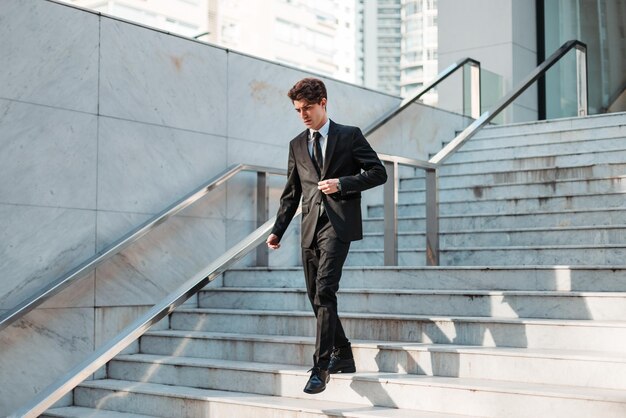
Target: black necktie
x=318 y=158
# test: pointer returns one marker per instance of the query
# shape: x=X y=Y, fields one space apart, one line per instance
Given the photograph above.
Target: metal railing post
x=474 y=89
x=432 y=218
x=262 y=214
x=391 y=214
x=581 y=79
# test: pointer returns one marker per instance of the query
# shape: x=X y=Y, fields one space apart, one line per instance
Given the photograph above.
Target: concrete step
x=492 y=163
x=554 y=137
x=566 y=125
x=517 y=176
x=501 y=304
x=438 y=394
x=578 y=255
x=602 y=217
x=593 y=369
x=615 y=234
x=512 y=205
x=528 y=190
x=96 y=412
x=182 y=401
x=545 y=126
x=590 y=141
x=555 y=278
x=606 y=336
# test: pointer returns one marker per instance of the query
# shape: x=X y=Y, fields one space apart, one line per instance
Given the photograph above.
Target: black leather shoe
x=341 y=365
x=317 y=381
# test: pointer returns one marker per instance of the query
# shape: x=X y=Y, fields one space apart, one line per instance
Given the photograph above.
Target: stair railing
x=392 y=164
x=431 y=166
x=390 y=209
x=90 y=264
x=474 y=83
x=47 y=397
x=486 y=117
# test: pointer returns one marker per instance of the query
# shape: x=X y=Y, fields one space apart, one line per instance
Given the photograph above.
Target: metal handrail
x=445 y=73
x=390 y=218
x=486 y=117
x=89 y=265
x=47 y=398
x=431 y=167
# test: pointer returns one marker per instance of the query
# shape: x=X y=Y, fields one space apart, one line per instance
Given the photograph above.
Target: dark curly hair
x=311 y=90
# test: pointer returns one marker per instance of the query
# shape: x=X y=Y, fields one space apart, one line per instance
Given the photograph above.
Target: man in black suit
x=329 y=166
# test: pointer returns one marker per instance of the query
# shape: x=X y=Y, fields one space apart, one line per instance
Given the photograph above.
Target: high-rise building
x=379 y=28
x=314 y=36
x=418 y=63
x=397 y=44
x=184 y=17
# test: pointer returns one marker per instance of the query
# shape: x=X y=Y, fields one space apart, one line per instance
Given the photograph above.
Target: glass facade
x=601 y=25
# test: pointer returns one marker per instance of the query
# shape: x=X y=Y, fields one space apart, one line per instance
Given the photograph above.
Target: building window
x=287 y=32
x=413 y=7
x=414 y=25
x=320 y=42
x=230 y=33
x=431 y=54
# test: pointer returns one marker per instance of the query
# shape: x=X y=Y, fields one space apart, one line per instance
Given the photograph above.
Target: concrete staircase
x=539 y=193
x=525 y=318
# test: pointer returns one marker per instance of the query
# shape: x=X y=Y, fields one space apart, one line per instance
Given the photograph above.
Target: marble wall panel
x=145 y=168
x=48 y=156
x=418 y=131
x=258 y=153
x=211 y=205
x=112 y=226
x=259 y=109
x=38 y=245
x=242 y=189
x=154 y=77
x=289 y=253
x=242 y=201
x=39 y=349
x=80 y=294
x=149 y=269
x=49 y=55
x=110 y=321
x=353 y=105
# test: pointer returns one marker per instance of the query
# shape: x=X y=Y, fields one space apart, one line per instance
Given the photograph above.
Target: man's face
x=312 y=114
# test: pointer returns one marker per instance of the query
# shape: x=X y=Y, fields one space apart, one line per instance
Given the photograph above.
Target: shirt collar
x=323 y=130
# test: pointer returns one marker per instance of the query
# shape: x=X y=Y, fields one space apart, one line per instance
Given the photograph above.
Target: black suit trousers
x=323 y=262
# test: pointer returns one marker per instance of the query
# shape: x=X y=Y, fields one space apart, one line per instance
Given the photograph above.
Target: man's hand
x=329 y=186
x=273 y=242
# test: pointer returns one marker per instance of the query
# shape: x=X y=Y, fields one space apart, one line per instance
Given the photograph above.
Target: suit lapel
x=331 y=141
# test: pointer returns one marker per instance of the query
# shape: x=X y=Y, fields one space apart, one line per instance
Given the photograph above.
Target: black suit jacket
x=351 y=159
